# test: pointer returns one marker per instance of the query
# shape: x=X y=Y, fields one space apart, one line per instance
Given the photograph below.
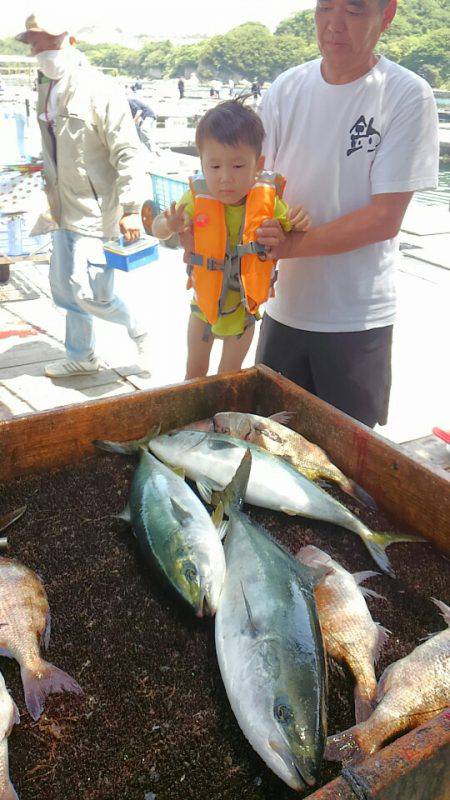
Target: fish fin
x=376 y=544
x=249 y=611
x=3 y=543
x=45 y=638
x=383 y=636
x=223 y=529
x=360 y=577
x=233 y=495
x=47 y=679
x=345 y=746
x=125 y=514
x=217 y=515
x=182 y=514
x=445 y=610
x=205 y=490
x=13 y=720
x=128 y=448
x=11 y=516
x=283 y=417
x=358 y=493
x=371 y=593
x=289 y=511
x=365 y=701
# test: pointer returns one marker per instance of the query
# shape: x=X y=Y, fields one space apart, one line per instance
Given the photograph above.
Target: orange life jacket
x=214 y=260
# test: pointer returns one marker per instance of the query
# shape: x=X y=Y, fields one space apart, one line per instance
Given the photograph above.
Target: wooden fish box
x=414 y=767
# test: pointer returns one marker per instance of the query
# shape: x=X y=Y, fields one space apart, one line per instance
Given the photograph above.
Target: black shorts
x=351 y=371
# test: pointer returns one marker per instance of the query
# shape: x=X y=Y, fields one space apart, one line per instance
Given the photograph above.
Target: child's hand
x=176 y=218
x=299 y=219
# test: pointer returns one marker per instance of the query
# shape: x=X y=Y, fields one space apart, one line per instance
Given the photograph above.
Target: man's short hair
x=231 y=123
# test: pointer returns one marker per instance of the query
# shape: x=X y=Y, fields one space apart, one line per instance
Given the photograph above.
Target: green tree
x=185 y=59
x=154 y=56
x=11 y=47
x=301 y=24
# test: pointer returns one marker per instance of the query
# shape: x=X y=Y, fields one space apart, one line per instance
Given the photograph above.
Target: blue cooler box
x=120 y=255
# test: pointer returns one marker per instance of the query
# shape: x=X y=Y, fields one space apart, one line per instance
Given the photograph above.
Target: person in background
x=144 y=119
x=181 y=88
x=231 y=85
x=255 y=89
x=355 y=135
x=94 y=185
x=223 y=205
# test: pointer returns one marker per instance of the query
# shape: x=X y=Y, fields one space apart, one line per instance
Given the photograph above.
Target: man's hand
x=130 y=226
x=272 y=236
x=299 y=219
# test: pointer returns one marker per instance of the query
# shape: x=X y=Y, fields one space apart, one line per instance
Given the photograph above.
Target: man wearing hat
x=94 y=185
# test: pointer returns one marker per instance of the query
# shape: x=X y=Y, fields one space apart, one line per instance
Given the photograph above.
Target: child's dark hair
x=231 y=123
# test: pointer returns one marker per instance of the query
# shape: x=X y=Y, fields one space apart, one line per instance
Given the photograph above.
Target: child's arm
x=173 y=220
x=299 y=219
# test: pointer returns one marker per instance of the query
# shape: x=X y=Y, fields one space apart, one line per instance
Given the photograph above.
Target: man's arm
x=379 y=220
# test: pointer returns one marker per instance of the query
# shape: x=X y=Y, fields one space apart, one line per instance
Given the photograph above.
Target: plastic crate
x=167 y=190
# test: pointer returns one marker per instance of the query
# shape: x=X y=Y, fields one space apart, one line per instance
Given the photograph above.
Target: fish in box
x=120 y=255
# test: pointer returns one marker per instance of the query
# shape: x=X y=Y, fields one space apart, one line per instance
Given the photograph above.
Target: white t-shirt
x=338 y=145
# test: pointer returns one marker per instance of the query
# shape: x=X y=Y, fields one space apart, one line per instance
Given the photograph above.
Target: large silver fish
x=25 y=615
x=9 y=716
x=270 y=653
x=410 y=692
x=349 y=632
x=175 y=530
x=211 y=459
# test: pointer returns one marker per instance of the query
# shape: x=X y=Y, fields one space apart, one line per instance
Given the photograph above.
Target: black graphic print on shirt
x=363 y=136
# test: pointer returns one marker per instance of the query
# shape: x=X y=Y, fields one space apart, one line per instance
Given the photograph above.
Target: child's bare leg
x=198 y=350
x=234 y=351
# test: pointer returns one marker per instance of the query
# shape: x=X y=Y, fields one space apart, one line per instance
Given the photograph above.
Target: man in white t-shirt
x=355 y=135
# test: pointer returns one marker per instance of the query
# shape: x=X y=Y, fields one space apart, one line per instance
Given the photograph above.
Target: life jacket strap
x=251 y=248
x=197 y=260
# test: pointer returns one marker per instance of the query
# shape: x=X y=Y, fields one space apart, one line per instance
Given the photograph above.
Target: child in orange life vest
x=224 y=207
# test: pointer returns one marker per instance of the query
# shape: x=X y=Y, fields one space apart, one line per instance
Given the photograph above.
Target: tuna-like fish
x=175 y=530
x=9 y=716
x=25 y=614
x=211 y=459
x=271 y=434
x=410 y=692
x=270 y=653
x=349 y=632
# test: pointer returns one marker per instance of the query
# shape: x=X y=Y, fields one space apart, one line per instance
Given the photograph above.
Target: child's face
x=229 y=171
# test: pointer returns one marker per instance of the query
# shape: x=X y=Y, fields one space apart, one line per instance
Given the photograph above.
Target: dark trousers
x=351 y=371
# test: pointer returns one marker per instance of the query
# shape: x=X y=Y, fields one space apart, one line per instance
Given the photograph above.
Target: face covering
x=53 y=63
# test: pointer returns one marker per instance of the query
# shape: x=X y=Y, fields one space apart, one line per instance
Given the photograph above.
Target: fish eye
x=283 y=713
x=190 y=572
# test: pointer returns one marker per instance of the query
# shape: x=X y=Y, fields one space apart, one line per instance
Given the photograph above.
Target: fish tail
x=358 y=493
x=127 y=448
x=39 y=683
x=233 y=494
x=376 y=544
x=348 y=746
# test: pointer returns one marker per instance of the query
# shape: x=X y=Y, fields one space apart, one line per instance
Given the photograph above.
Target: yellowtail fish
x=25 y=616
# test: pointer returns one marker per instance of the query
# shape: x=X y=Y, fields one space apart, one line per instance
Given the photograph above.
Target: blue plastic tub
x=167 y=190
x=130 y=256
